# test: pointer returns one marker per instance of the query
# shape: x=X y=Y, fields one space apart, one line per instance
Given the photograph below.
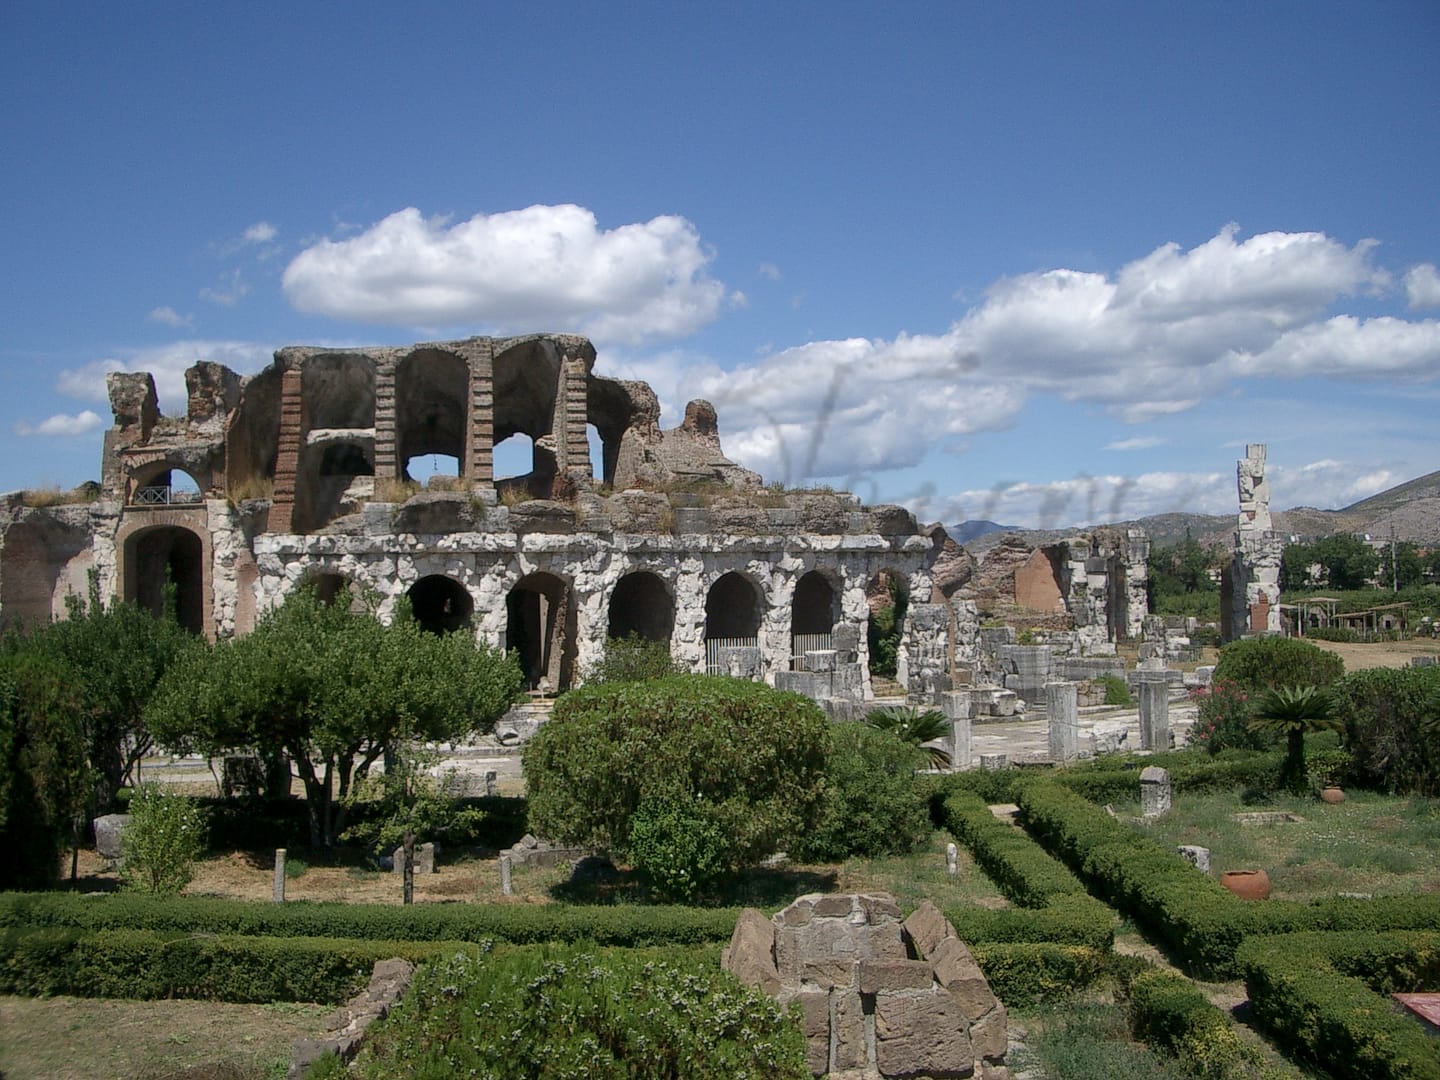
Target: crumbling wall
x=1250 y=588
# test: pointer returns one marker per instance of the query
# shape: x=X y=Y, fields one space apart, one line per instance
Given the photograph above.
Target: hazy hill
x=1412 y=509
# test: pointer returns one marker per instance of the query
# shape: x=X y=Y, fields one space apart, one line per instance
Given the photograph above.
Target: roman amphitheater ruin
x=301 y=473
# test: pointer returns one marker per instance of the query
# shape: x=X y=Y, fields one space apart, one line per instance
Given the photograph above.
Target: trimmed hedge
x=1200 y=922
x=1027 y=973
x=1170 y=1013
x=147 y=964
x=1318 y=994
x=626 y=925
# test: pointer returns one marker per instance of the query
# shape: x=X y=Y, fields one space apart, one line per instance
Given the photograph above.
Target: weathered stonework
x=1250 y=586
x=879 y=997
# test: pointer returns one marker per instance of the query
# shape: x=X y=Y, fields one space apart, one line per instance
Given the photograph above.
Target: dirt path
x=1391 y=654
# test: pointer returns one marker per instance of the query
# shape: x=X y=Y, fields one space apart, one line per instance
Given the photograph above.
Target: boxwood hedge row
x=1322 y=995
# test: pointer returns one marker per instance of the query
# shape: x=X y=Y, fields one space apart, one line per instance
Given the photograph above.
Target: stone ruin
x=879 y=997
x=1250 y=584
x=301 y=474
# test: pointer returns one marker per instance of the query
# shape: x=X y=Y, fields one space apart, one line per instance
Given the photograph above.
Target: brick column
x=386 y=465
x=480 y=424
x=287 y=458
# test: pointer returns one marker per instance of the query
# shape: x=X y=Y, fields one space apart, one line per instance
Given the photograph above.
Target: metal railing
x=800 y=644
x=715 y=649
x=164 y=495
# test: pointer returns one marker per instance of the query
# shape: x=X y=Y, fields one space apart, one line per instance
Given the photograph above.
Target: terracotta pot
x=1332 y=795
x=1247 y=884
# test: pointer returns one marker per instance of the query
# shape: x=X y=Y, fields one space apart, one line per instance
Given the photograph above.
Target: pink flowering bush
x=1223 y=721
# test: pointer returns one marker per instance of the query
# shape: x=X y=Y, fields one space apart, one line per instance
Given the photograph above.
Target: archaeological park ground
x=1063 y=915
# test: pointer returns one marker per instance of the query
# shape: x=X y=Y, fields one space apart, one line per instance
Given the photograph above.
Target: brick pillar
x=386 y=465
x=480 y=468
x=572 y=443
x=287 y=458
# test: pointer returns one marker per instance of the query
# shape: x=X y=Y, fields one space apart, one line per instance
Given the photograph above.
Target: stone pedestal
x=1062 y=709
x=1154 y=791
x=1154 y=694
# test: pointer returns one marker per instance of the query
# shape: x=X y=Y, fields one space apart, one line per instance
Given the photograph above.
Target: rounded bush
x=1268 y=663
x=874 y=805
x=752 y=758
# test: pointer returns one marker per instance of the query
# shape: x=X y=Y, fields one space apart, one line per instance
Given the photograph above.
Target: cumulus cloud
x=262 y=232
x=1152 y=339
x=1422 y=285
x=168 y=316
x=61 y=424
x=1089 y=500
x=167 y=363
x=544 y=266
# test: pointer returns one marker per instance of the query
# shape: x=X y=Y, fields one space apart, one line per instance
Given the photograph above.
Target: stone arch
x=814 y=611
x=154 y=483
x=432 y=389
x=527 y=381
x=641 y=604
x=887 y=595
x=441 y=604
x=162 y=552
x=332 y=587
x=540 y=628
x=734 y=613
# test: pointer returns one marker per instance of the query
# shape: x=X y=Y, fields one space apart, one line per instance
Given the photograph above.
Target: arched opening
x=641 y=605
x=439 y=472
x=814 y=611
x=888 y=597
x=540 y=631
x=524 y=467
x=164 y=484
x=441 y=604
x=733 y=610
x=332 y=588
x=526 y=379
x=431 y=391
x=167 y=555
x=343 y=480
x=346 y=459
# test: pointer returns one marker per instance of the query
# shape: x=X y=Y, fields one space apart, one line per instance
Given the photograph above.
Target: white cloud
x=1090 y=500
x=262 y=232
x=1140 y=442
x=544 y=266
x=167 y=363
x=769 y=271
x=169 y=317
x=61 y=424
x=1155 y=338
x=230 y=292
x=1422 y=285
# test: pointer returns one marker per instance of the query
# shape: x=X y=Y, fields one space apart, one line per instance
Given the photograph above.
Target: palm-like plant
x=909 y=724
x=1293 y=711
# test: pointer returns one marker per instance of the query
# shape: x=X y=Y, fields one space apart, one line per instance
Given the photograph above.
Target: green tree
x=1294 y=711
x=1295 y=563
x=45 y=777
x=1349 y=562
x=915 y=727
x=410 y=799
x=633 y=658
x=1180 y=569
x=884 y=628
x=334 y=690
x=750 y=757
x=1255 y=665
x=165 y=837
x=1402 y=560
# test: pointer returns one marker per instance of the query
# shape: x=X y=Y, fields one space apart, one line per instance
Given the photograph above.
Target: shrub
x=566 y=1012
x=1222 y=720
x=1023 y=974
x=1170 y=1013
x=1267 y=663
x=873 y=805
x=165 y=836
x=632 y=659
x=677 y=847
x=753 y=756
x=1388 y=713
x=1117 y=691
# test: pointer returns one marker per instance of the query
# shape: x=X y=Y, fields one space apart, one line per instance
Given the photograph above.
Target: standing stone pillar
x=1062 y=700
x=1154 y=791
x=278 y=893
x=956 y=706
x=1154 y=687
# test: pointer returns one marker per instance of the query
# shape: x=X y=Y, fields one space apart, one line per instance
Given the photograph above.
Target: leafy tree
x=1349 y=561
x=1295 y=563
x=1181 y=569
x=874 y=805
x=1404 y=560
x=884 y=630
x=409 y=800
x=1294 y=711
x=633 y=658
x=45 y=778
x=910 y=725
x=749 y=757
x=165 y=837
x=1255 y=665
x=1392 y=718
x=334 y=690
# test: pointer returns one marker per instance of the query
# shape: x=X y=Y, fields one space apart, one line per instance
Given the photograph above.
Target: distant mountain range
x=1412 y=509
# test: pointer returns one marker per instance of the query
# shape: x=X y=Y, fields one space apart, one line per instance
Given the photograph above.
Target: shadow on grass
x=762 y=887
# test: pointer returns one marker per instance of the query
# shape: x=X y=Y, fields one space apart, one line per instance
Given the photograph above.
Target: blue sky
x=1041 y=263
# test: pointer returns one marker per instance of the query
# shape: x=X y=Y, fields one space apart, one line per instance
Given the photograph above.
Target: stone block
x=957 y=971
x=847 y=1029
x=423 y=862
x=1154 y=791
x=109 y=831
x=921 y=1035
x=990 y=1035
x=815 y=1019
x=833 y=974
x=877 y=975
x=928 y=927
x=1198 y=856
x=752 y=952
